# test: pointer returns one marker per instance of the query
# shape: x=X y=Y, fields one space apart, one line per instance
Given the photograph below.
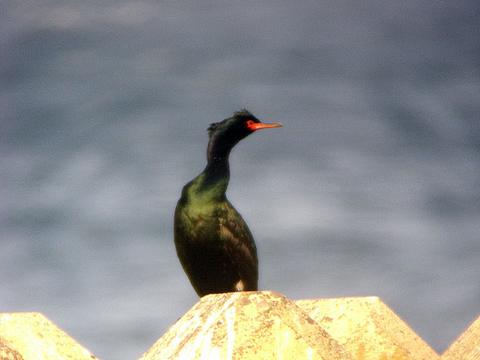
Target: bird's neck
x=211 y=185
x=216 y=174
x=218 y=152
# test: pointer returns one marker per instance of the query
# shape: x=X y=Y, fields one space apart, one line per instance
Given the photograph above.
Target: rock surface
x=467 y=346
x=368 y=329
x=246 y=325
x=31 y=336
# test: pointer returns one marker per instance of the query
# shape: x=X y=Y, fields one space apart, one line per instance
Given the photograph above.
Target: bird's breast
x=196 y=222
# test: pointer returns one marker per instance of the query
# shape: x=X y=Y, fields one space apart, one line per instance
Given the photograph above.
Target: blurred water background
x=371 y=188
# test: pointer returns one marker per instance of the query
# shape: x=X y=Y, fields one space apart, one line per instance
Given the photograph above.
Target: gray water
x=372 y=187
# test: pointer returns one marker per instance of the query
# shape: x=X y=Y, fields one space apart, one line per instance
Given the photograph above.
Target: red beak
x=258 y=126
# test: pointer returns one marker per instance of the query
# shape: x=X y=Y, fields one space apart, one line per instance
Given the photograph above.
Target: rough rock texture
x=368 y=329
x=7 y=352
x=255 y=325
x=467 y=346
x=31 y=336
x=246 y=325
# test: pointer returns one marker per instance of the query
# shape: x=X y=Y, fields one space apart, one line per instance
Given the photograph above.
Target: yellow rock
x=467 y=346
x=7 y=352
x=368 y=329
x=246 y=325
x=31 y=336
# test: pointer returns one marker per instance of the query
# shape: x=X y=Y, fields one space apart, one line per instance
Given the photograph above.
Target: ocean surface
x=372 y=187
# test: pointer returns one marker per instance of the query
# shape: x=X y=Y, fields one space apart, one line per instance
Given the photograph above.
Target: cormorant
x=213 y=242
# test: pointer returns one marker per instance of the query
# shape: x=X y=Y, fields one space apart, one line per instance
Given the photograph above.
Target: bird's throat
x=217 y=173
x=218 y=153
x=211 y=185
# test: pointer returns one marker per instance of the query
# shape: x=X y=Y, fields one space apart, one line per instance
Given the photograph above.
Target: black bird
x=213 y=242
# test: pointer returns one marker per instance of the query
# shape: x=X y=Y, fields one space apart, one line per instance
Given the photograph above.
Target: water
x=371 y=188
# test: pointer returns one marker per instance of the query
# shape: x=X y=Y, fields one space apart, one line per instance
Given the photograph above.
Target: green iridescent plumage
x=213 y=242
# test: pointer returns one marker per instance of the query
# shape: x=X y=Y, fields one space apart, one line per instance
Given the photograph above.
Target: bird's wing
x=239 y=246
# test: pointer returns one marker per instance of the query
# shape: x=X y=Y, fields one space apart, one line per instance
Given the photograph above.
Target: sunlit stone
x=368 y=329
x=467 y=346
x=28 y=336
x=246 y=325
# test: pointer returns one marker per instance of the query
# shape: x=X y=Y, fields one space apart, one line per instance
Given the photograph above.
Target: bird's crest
x=236 y=114
x=242 y=113
x=213 y=127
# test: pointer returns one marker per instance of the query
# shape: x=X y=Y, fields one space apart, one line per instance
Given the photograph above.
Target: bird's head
x=240 y=125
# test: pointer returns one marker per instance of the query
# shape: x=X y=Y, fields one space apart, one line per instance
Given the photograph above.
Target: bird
x=213 y=242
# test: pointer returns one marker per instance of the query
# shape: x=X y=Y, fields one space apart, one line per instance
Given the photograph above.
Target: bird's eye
x=249 y=123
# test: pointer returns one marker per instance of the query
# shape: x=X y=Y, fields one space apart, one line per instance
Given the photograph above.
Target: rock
x=367 y=328
x=246 y=325
x=29 y=336
x=467 y=346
